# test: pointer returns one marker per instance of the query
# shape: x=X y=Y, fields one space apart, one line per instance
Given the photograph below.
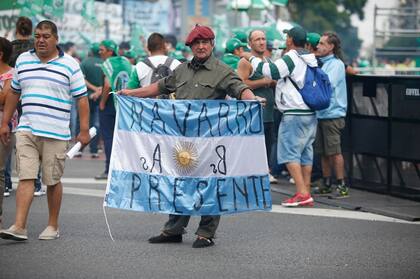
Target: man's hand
x=96 y=94
x=5 y=134
x=83 y=137
x=262 y=100
x=246 y=55
x=125 y=92
x=102 y=105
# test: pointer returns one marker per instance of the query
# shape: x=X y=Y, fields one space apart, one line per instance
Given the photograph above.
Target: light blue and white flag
x=201 y=157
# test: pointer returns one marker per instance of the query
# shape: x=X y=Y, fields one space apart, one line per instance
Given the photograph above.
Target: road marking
x=318 y=212
x=334 y=213
x=69 y=180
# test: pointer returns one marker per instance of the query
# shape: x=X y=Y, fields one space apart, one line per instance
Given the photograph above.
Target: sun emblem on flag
x=185 y=155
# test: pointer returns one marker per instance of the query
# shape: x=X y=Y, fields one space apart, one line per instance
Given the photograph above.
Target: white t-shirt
x=144 y=72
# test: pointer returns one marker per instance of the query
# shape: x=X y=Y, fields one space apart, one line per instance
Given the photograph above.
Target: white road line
x=318 y=212
x=68 y=180
x=334 y=213
x=84 y=192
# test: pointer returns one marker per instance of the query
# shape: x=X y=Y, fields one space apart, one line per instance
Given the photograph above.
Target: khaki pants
x=33 y=152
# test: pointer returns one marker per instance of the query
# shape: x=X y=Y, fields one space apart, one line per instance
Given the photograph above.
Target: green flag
x=88 y=11
x=279 y=2
x=30 y=8
x=53 y=8
x=117 y=69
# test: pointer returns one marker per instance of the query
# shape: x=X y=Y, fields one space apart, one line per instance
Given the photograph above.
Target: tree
x=331 y=15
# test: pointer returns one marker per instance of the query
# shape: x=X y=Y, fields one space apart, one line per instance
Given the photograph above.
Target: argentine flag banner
x=188 y=157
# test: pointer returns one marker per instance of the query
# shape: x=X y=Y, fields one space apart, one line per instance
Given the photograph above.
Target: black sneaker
x=203 y=243
x=101 y=176
x=166 y=239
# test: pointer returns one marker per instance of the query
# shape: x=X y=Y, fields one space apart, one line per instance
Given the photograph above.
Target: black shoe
x=203 y=243
x=101 y=176
x=166 y=238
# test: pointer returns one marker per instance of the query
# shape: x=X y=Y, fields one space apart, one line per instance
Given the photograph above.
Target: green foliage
x=330 y=15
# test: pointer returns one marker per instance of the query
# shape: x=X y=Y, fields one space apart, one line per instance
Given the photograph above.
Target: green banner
x=88 y=11
x=30 y=8
x=279 y=2
x=53 y=8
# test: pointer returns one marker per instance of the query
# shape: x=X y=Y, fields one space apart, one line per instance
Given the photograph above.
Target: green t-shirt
x=91 y=69
x=231 y=60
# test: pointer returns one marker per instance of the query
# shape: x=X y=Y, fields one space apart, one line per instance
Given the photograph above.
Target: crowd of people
x=49 y=97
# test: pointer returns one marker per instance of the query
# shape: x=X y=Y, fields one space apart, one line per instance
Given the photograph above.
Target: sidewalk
x=363 y=201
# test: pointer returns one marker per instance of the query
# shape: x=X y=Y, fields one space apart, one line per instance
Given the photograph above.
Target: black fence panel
x=382 y=137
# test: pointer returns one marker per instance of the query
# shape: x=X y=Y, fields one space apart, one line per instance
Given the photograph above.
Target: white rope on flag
x=107 y=224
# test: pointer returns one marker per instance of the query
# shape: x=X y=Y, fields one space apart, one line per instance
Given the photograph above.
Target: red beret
x=199 y=32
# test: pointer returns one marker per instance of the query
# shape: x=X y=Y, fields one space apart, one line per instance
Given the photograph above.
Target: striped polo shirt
x=46 y=91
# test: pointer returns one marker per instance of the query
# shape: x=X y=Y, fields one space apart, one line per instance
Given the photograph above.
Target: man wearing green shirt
x=91 y=68
x=260 y=85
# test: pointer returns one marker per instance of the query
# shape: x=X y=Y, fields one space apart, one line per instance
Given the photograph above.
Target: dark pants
x=177 y=223
x=107 y=123
x=93 y=122
x=269 y=135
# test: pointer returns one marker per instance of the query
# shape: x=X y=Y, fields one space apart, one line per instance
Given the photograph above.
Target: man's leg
x=24 y=196
x=173 y=229
x=54 y=197
x=295 y=170
x=208 y=226
x=338 y=163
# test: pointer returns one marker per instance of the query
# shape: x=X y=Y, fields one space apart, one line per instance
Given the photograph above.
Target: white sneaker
x=272 y=179
x=6 y=193
x=291 y=180
x=49 y=234
x=39 y=193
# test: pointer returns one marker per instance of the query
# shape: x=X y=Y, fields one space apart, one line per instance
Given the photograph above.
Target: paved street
x=323 y=242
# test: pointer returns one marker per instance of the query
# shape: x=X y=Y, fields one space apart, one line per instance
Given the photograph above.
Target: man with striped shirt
x=46 y=79
x=298 y=126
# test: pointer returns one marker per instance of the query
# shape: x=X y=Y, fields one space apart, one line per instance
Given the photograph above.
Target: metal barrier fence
x=382 y=138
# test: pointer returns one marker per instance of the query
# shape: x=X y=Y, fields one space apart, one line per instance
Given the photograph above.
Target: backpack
x=316 y=91
x=161 y=71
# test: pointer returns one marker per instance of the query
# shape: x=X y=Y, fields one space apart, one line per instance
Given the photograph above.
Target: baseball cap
x=111 y=45
x=233 y=44
x=297 y=33
x=241 y=36
x=130 y=54
x=199 y=32
x=94 y=48
x=313 y=38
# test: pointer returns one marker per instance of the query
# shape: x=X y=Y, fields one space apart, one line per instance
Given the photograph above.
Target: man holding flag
x=205 y=77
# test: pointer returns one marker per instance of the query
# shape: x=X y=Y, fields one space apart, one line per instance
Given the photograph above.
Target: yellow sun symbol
x=185 y=156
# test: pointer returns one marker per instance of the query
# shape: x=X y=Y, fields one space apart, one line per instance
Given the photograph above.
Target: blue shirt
x=336 y=72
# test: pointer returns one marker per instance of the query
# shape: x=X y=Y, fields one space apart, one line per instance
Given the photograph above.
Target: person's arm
x=83 y=106
x=12 y=100
x=4 y=91
x=281 y=68
x=165 y=85
x=245 y=71
x=144 y=92
x=105 y=93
